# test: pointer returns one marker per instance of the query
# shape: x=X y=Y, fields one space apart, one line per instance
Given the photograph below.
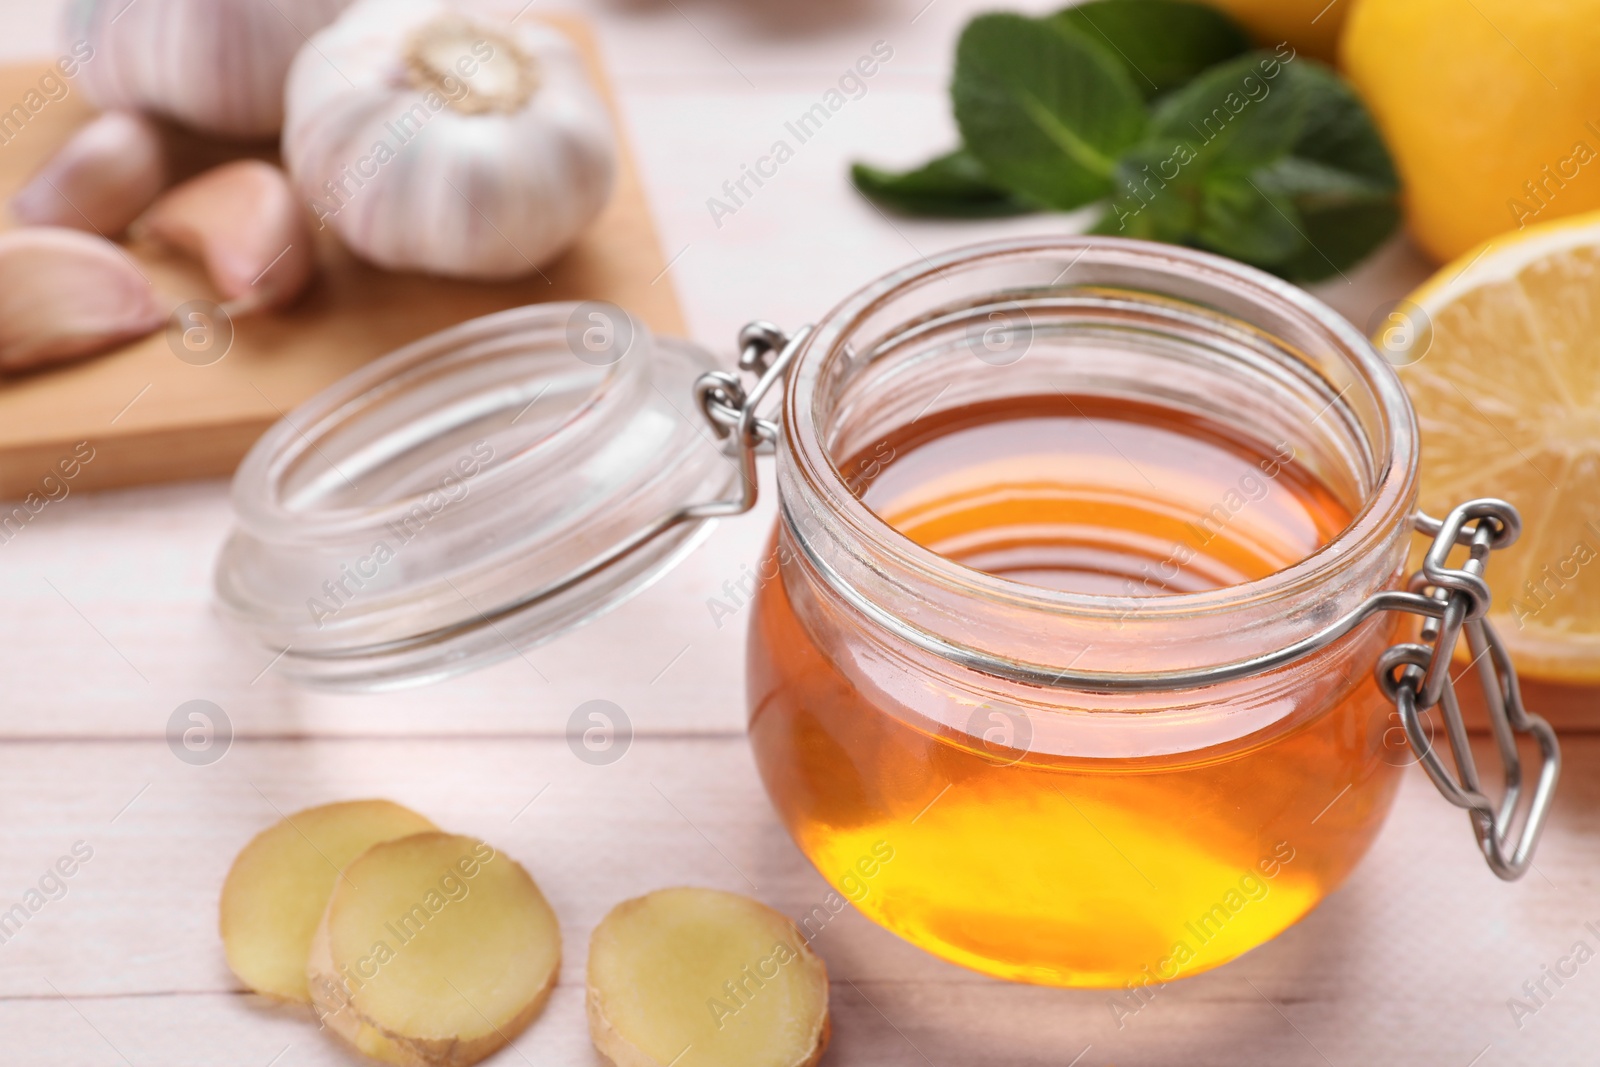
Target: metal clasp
x=1416 y=676
x=765 y=351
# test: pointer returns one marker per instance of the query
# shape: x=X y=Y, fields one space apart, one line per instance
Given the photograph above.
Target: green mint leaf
x=1338 y=130
x=1163 y=44
x=954 y=185
x=1241 y=219
x=1237 y=116
x=1344 y=219
x=1317 y=186
x=1043 y=109
x=1191 y=181
x=1339 y=238
x=1154 y=198
x=1270 y=161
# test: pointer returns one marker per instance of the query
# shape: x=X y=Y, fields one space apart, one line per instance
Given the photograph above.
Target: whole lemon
x=1491 y=109
x=1310 y=26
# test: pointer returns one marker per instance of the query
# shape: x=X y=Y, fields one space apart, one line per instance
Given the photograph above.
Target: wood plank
x=1411 y=962
x=152 y=417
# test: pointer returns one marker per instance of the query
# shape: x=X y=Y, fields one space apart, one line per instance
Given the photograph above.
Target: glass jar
x=1046 y=834
x=1072 y=788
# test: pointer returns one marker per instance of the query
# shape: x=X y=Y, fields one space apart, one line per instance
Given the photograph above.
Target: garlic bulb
x=243 y=221
x=66 y=294
x=101 y=180
x=215 y=65
x=431 y=142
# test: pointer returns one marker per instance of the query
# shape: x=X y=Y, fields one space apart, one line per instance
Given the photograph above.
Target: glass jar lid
x=475 y=493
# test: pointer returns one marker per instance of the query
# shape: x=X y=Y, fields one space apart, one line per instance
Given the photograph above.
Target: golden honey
x=984 y=835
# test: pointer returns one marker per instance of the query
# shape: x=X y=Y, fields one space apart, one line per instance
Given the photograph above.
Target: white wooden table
x=107 y=628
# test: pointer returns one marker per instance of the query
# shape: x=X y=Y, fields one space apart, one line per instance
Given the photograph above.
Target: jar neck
x=1114 y=319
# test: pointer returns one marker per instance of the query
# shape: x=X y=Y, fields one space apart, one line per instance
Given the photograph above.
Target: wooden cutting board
x=150 y=416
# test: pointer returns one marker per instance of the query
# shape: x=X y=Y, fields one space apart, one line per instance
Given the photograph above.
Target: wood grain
x=1411 y=962
x=152 y=417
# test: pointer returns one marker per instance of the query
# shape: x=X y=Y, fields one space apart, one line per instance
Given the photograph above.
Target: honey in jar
x=986 y=846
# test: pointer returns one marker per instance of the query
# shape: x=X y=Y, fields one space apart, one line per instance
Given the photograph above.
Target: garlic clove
x=100 y=180
x=214 y=65
x=65 y=294
x=243 y=222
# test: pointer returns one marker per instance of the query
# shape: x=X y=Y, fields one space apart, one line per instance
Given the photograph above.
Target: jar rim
x=1386 y=505
x=509 y=530
x=260 y=487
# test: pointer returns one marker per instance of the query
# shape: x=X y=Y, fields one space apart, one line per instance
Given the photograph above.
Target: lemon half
x=1506 y=383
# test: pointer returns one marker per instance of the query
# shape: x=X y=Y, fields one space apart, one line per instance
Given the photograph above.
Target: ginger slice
x=435 y=951
x=279 y=885
x=703 y=978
